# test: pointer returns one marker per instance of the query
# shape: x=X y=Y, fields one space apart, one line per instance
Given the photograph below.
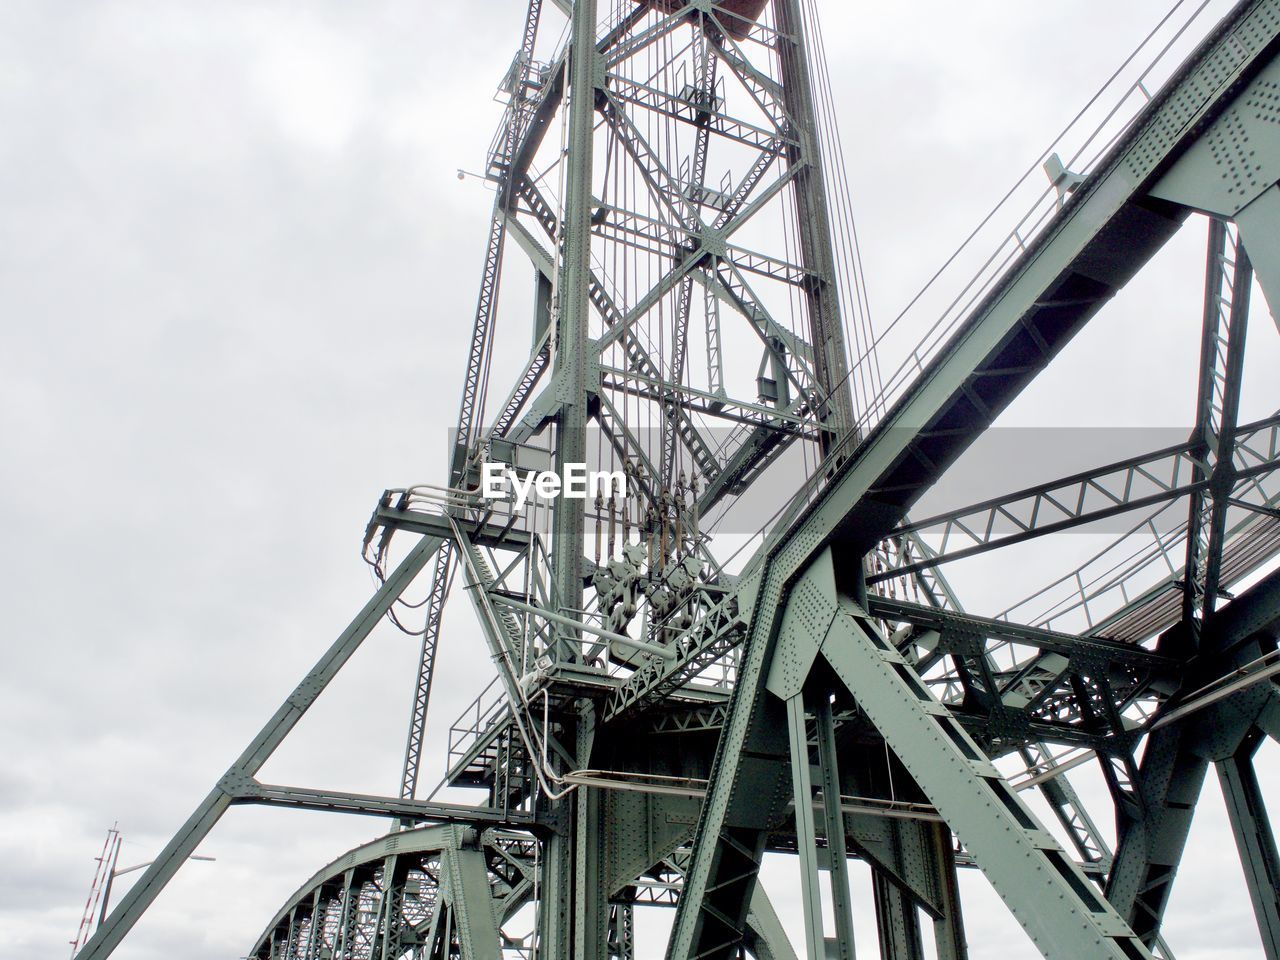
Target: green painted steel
x=656 y=726
x=1025 y=864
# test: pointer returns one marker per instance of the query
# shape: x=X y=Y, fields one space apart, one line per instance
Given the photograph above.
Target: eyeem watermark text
x=499 y=482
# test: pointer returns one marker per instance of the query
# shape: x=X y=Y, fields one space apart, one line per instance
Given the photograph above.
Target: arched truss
x=382 y=899
x=442 y=891
x=451 y=891
x=663 y=715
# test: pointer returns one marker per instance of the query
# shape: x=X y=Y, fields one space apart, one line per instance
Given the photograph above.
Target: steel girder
x=1156 y=823
x=1228 y=282
x=1132 y=484
x=704 y=92
x=441 y=574
x=573 y=307
x=947 y=623
x=405 y=809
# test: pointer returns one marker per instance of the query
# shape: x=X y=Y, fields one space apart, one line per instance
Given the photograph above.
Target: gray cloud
x=236 y=279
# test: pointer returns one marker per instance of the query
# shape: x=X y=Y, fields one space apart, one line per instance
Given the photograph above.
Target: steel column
x=830 y=358
x=442 y=572
x=833 y=818
x=1151 y=844
x=806 y=837
x=571 y=310
x=1228 y=279
x=897 y=920
x=948 y=929
x=590 y=884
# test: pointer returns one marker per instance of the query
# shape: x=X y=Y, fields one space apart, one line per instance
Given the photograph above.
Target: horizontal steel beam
x=337 y=801
x=487 y=534
x=1087 y=497
x=1067 y=644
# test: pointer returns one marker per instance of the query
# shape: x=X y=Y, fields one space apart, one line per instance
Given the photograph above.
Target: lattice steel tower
x=751 y=648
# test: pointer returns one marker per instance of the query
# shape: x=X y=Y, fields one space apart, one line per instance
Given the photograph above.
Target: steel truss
x=663 y=714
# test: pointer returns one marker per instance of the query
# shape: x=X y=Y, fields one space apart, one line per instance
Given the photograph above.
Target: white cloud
x=236 y=281
x=313 y=76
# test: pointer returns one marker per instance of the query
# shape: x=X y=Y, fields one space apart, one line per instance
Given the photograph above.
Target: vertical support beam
x=291 y=937
x=1254 y=840
x=1223 y=442
x=315 y=930
x=391 y=908
x=1155 y=824
x=830 y=361
x=1228 y=280
x=441 y=573
x=555 y=929
x=471 y=409
x=715 y=362
x=622 y=943
x=897 y=921
x=572 y=310
x=806 y=837
x=948 y=929
x=1151 y=844
x=837 y=849
x=471 y=903
x=348 y=902
x=704 y=84
x=471 y=412
x=590 y=886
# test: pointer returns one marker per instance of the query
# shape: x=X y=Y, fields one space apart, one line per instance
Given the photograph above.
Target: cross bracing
x=672 y=698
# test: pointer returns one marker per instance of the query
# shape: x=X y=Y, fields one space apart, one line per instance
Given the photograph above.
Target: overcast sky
x=237 y=273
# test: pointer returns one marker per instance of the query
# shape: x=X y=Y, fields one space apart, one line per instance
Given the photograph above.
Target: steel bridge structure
x=753 y=648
